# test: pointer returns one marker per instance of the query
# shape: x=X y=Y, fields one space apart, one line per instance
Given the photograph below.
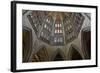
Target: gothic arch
x=86 y=42
x=27 y=43
x=74 y=53
x=58 y=55
x=41 y=55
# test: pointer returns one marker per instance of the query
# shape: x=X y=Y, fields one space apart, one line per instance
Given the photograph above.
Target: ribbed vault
x=56 y=28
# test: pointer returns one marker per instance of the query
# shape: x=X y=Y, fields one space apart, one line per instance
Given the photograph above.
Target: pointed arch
x=86 y=42
x=41 y=55
x=74 y=53
x=26 y=43
x=58 y=55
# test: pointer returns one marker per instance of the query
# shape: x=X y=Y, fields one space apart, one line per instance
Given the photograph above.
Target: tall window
x=47 y=29
x=58 y=31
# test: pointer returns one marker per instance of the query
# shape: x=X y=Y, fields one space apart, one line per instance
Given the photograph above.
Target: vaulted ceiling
x=56 y=28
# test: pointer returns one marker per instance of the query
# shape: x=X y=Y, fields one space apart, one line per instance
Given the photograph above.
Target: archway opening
x=27 y=44
x=86 y=43
x=40 y=56
x=75 y=55
x=58 y=57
